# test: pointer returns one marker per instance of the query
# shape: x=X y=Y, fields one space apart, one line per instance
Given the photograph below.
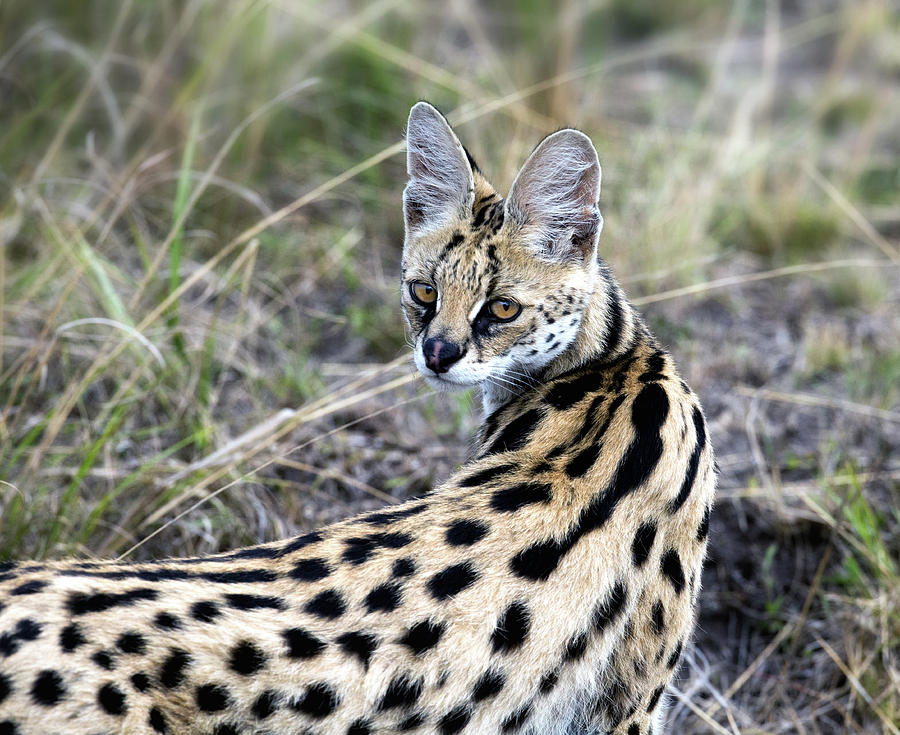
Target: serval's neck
x=610 y=327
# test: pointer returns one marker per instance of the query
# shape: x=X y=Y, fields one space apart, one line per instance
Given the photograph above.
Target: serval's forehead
x=470 y=262
x=470 y=255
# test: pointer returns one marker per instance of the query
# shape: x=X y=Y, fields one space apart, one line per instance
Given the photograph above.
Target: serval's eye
x=504 y=310
x=423 y=293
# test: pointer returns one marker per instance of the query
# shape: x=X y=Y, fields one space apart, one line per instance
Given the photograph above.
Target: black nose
x=440 y=355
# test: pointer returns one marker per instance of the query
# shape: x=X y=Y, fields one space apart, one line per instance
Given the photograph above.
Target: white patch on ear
x=554 y=198
x=441 y=185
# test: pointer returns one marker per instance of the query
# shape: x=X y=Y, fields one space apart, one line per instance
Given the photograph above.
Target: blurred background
x=201 y=340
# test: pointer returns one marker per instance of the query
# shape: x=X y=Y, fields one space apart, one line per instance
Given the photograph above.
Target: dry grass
x=201 y=345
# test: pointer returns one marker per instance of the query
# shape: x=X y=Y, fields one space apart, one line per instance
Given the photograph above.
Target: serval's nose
x=440 y=355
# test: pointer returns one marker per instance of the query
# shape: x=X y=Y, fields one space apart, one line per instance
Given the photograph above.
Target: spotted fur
x=548 y=587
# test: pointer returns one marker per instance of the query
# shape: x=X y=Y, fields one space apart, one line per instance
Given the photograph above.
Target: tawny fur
x=549 y=587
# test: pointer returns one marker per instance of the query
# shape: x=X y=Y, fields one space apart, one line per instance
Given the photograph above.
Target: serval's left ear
x=554 y=198
x=441 y=186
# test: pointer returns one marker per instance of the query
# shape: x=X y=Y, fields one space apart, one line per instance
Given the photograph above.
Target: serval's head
x=494 y=289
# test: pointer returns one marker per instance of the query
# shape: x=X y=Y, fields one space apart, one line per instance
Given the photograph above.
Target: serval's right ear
x=441 y=186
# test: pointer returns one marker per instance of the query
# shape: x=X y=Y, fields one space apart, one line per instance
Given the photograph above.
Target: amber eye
x=504 y=310
x=423 y=293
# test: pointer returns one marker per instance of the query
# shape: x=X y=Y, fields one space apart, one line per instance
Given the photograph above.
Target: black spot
x=633 y=729
x=477 y=222
x=703 y=528
x=671 y=567
x=5 y=687
x=676 y=654
x=103 y=660
x=611 y=607
x=538 y=561
x=158 y=574
x=9 y=644
x=564 y=395
x=658 y=617
x=691 y=474
x=240 y=577
x=416 y=719
x=576 y=647
x=360 y=727
x=140 y=681
x=319 y=701
x=392 y=540
x=226 y=728
x=516 y=433
x=548 y=682
x=510 y=499
x=423 y=636
x=384 y=598
x=359 y=644
x=485 y=476
x=171 y=673
x=82 y=603
x=582 y=462
x=327 y=604
x=167 y=621
x=8 y=727
x=301 y=542
x=653 y=368
x=157 y=721
x=404 y=567
x=302 y=644
x=516 y=719
x=27 y=629
x=403 y=691
x=211 y=697
x=205 y=611
x=386 y=517
x=29 y=588
x=615 y=321
x=643 y=543
x=132 y=643
x=71 y=638
x=452 y=580
x=654 y=698
x=358 y=550
x=264 y=705
x=310 y=570
x=466 y=532
x=246 y=658
x=489 y=684
x=455 y=720
x=512 y=628
x=254 y=552
x=241 y=601
x=648 y=413
x=47 y=688
x=112 y=699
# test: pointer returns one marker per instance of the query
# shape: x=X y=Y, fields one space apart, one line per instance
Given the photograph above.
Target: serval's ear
x=554 y=198
x=441 y=187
